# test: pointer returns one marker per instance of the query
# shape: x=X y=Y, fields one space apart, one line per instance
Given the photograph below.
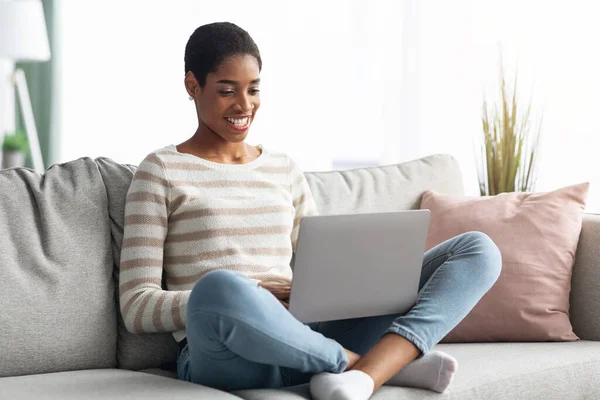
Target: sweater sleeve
x=303 y=201
x=144 y=305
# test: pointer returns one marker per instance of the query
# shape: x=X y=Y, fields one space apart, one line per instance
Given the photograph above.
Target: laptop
x=359 y=265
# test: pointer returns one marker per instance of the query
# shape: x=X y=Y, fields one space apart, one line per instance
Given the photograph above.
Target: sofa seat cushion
x=103 y=384
x=497 y=371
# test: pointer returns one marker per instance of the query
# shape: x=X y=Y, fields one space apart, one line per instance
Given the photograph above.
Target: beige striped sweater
x=186 y=216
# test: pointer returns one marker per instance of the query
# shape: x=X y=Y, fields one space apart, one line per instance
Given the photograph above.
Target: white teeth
x=238 y=121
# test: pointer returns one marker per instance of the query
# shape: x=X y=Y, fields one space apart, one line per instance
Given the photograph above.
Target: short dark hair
x=211 y=44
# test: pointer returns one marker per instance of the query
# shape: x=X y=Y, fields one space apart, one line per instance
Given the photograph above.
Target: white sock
x=433 y=371
x=349 y=385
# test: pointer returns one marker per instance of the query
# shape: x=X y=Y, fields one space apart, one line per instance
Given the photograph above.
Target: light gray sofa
x=61 y=335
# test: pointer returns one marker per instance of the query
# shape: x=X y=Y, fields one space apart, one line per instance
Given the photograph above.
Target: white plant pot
x=12 y=159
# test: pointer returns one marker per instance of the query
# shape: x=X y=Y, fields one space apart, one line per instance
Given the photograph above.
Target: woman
x=220 y=218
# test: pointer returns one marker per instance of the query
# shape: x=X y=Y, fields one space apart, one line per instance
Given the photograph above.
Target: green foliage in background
x=16 y=141
x=510 y=148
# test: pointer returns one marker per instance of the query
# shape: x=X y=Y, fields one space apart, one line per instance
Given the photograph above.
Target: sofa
x=62 y=337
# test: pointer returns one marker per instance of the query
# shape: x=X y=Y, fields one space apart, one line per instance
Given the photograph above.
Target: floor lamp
x=23 y=37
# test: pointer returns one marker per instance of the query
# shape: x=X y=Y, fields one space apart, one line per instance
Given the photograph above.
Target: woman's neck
x=204 y=146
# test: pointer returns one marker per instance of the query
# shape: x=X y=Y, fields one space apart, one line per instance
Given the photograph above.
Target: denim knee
x=491 y=258
x=216 y=289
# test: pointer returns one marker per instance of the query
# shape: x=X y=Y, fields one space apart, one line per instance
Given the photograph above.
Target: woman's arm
x=145 y=306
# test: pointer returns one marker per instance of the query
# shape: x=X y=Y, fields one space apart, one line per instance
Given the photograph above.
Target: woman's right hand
x=280 y=290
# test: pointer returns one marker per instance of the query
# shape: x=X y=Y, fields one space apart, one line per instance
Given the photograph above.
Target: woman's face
x=230 y=98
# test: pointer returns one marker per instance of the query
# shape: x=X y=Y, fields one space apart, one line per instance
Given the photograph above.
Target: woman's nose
x=245 y=104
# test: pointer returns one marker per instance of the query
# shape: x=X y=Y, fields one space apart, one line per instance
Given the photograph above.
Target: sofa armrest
x=585 y=284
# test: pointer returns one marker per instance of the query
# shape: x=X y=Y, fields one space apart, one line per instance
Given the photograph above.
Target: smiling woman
x=220 y=218
x=225 y=88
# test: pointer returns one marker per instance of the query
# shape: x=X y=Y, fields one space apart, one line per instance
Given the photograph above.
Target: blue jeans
x=240 y=337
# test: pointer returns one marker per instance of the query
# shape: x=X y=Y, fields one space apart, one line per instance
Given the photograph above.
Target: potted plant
x=510 y=150
x=14 y=149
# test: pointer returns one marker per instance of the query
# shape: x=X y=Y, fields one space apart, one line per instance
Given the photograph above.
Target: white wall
x=348 y=81
x=441 y=90
x=322 y=86
x=554 y=45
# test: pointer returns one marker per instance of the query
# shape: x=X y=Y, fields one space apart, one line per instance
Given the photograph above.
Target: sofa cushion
x=537 y=234
x=134 y=351
x=384 y=188
x=547 y=371
x=57 y=302
x=104 y=384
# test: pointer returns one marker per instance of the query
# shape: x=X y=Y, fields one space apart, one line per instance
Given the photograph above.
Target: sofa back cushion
x=57 y=297
x=385 y=188
x=362 y=190
x=134 y=351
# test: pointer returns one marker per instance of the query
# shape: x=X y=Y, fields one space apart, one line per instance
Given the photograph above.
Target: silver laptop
x=351 y=266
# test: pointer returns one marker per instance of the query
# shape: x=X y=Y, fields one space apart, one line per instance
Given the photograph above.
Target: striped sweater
x=186 y=216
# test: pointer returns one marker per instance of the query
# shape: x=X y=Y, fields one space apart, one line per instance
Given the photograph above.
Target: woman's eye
x=226 y=92
x=254 y=91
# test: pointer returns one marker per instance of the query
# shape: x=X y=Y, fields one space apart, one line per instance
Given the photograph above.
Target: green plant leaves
x=510 y=143
x=16 y=141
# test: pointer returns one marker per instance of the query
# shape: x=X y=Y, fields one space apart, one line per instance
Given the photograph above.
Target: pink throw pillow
x=537 y=234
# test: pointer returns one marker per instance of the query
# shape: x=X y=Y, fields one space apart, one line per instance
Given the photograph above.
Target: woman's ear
x=191 y=84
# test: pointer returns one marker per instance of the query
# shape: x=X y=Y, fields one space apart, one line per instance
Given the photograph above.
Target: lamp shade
x=23 y=35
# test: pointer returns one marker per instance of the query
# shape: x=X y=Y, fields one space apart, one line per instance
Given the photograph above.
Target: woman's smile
x=240 y=123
